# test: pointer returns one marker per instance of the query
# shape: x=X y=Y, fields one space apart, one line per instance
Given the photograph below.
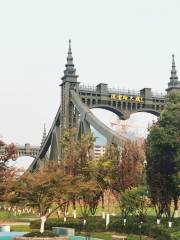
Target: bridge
x=25 y=150
x=77 y=101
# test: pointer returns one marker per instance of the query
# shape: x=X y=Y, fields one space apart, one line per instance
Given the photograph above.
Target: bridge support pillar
x=84 y=128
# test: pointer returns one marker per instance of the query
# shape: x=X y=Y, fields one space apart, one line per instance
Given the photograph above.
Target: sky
x=126 y=44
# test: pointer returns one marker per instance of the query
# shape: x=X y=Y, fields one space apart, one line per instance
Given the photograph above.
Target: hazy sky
x=125 y=43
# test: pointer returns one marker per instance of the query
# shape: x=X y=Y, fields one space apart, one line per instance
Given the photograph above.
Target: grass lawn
x=20 y=228
x=6 y=216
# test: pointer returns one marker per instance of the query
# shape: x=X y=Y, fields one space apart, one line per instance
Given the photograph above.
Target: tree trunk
x=74 y=213
x=43 y=220
x=107 y=220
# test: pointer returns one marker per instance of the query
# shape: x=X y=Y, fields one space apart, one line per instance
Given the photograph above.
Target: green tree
x=163 y=158
x=134 y=201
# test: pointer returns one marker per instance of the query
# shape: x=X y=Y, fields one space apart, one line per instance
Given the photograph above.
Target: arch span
x=111 y=109
x=122 y=115
x=87 y=115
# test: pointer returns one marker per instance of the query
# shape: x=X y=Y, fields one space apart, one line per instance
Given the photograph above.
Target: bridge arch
x=135 y=126
x=121 y=114
x=22 y=162
x=111 y=109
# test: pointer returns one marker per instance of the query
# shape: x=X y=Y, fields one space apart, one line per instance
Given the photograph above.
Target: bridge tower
x=69 y=115
x=173 y=84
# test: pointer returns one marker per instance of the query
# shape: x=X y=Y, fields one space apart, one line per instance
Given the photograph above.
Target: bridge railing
x=87 y=87
x=110 y=90
x=18 y=146
x=132 y=92
x=124 y=91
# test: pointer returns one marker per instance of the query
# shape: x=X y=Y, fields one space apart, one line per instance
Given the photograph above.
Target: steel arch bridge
x=78 y=100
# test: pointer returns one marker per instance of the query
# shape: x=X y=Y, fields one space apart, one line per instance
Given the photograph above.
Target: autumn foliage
x=6 y=173
x=9 y=151
x=121 y=169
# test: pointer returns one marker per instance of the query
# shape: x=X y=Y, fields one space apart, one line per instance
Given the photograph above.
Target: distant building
x=99 y=150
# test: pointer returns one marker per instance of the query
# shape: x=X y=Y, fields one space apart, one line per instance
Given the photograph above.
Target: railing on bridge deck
x=87 y=87
x=110 y=90
x=133 y=92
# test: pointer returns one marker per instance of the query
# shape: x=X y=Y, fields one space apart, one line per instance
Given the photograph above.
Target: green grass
x=9 y=216
x=20 y=228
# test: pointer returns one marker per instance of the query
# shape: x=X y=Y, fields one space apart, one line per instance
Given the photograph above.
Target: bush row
x=97 y=224
x=38 y=234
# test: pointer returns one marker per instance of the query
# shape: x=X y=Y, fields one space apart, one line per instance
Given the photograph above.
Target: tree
x=88 y=197
x=163 y=158
x=130 y=169
x=42 y=189
x=9 y=153
x=120 y=170
x=134 y=201
x=7 y=173
x=78 y=162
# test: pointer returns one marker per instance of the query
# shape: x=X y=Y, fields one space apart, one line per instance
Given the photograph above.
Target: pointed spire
x=70 y=70
x=69 y=57
x=69 y=51
x=44 y=135
x=174 y=77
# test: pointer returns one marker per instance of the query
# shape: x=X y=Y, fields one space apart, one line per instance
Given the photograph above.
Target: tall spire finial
x=173 y=84
x=69 y=58
x=70 y=70
x=173 y=61
x=69 y=46
x=174 y=77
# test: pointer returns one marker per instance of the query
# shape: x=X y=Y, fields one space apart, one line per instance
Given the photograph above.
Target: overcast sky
x=127 y=44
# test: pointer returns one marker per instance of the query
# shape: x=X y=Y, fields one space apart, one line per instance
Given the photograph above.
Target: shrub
x=71 y=223
x=160 y=232
x=38 y=234
x=97 y=224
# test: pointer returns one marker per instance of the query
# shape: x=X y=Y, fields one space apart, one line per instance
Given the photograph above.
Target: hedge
x=97 y=224
x=38 y=234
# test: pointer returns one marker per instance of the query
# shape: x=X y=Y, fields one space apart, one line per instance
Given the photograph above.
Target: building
x=99 y=150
